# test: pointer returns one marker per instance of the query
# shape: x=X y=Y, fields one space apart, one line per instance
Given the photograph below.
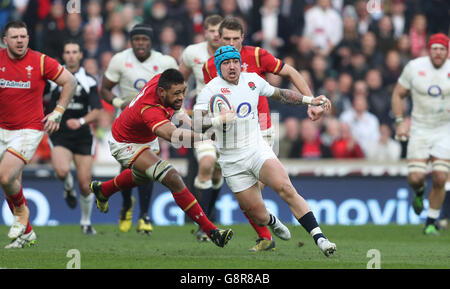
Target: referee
x=74 y=140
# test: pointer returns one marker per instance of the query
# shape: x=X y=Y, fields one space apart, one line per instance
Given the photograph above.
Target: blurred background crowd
x=352 y=51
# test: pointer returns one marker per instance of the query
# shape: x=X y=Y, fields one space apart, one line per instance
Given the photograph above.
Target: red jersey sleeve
x=154 y=116
x=267 y=61
x=209 y=70
x=50 y=68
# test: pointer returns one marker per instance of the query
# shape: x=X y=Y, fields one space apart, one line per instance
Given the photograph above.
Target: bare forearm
x=67 y=92
x=288 y=96
x=107 y=95
x=106 y=90
x=398 y=96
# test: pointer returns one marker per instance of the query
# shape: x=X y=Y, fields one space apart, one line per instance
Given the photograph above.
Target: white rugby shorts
x=269 y=136
x=126 y=153
x=243 y=172
x=424 y=143
x=21 y=143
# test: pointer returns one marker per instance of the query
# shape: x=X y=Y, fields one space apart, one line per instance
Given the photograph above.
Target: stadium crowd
x=348 y=50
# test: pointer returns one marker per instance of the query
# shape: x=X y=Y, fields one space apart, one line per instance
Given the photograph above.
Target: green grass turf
x=175 y=247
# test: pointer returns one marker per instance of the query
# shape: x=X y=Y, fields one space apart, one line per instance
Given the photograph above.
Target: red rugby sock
x=18 y=199
x=124 y=181
x=188 y=203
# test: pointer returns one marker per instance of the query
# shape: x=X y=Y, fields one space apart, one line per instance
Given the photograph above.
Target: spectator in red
x=194 y=11
x=346 y=147
x=309 y=145
x=418 y=36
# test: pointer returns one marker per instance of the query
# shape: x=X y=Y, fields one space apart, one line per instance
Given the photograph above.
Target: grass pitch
x=174 y=247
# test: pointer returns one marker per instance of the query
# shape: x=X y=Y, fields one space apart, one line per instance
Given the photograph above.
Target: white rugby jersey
x=245 y=132
x=430 y=92
x=131 y=74
x=194 y=57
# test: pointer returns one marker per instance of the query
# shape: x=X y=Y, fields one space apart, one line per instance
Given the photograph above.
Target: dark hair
x=141 y=29
x=71 y=41
x=212 y=20
x=231 y=23
x=15 y=24
x=169 y=77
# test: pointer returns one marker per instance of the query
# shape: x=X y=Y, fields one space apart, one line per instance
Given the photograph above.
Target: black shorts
x=82 y=145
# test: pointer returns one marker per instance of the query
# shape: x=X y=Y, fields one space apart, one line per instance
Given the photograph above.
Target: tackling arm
x=178 y=136
x=203 y=122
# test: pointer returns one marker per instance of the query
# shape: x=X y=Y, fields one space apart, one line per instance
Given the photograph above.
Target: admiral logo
x=4 y=83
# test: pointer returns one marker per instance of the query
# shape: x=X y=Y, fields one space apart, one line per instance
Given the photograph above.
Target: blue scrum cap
x=224 y=53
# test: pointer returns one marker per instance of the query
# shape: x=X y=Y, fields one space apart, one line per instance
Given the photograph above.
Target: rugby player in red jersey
x=134 y=144
x=23 y=75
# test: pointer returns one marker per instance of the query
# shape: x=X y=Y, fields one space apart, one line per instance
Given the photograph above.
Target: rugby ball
x=217 y=103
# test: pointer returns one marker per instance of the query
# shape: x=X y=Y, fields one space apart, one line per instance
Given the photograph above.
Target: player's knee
x=206 y=167
x=440 y=170
x=61 y=173
x=173 y=181
x=416 y=179
x=6 y=179
x=84 y=187
x=439 y=179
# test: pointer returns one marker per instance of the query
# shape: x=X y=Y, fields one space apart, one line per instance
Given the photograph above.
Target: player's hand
x=227 y=116
x=322 y=101
x=73 y=123
x=51 y=121
x=401 y=132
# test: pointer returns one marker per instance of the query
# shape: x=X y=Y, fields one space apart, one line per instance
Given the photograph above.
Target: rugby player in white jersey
x=131 y=69
x=245 y=158
x=427 y=78
x=209 y=180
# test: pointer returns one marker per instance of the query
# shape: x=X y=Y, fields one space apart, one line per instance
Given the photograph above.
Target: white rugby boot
x=16 y=229
x=280 y=230
x=326 y=246
x=23 y=241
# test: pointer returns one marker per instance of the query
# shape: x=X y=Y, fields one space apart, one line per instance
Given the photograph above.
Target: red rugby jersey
x=253 y=59
x=22 y=83
x=139 y=120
